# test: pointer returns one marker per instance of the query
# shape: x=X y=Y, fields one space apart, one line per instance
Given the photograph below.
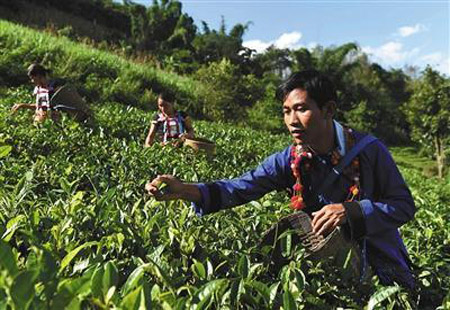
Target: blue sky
x=394 y=33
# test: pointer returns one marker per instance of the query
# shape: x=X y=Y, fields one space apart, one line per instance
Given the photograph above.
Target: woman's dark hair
x=318 y=86
x=167 y=97
x=37 y=69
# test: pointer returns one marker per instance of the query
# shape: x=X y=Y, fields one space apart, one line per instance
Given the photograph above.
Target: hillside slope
x=86 y=18
x=100 y=76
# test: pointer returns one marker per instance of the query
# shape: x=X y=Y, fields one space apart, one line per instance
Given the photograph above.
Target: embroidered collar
x=301 y=163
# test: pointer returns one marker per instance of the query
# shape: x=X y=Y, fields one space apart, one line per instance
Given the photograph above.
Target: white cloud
x=406 y=31
x=289 y=40
x=432 y=58
x=393 y=54
x=257 y=45
x=436 y=60
x=286 y=40
x=390 y=53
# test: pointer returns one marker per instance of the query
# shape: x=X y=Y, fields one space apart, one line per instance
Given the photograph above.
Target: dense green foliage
x=160 y=28
x=429 y=114
x=78 y=232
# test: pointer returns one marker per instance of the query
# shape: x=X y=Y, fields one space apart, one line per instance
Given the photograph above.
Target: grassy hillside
x=86 y=18
x=100 y=76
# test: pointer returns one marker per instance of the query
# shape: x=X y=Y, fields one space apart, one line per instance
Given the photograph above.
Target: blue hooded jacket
x=385 y=205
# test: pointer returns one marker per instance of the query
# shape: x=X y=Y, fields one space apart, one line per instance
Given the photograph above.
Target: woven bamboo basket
x=335 y=248
x=70 y=101
x=201 y=144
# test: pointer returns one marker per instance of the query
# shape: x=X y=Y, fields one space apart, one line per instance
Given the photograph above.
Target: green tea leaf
x=273 y=293
x=138 y=299
x=7 y=259
x=381 y=295
x=22 y=288
x=243 y=266
x=12 y=226
x=103 y=279
x=70 y=256
x=97 y=282
x=110 y=276
x=288 y=301
x=69 y=291
x=133 y=279
x=199 y=270
x=5 y=150
x=236 y=291
x=262 y=289
x=210 y=287
x=132 y=300
x=301 y=279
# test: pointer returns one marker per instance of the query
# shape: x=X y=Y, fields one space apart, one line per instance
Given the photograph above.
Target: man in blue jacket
x=369 y=198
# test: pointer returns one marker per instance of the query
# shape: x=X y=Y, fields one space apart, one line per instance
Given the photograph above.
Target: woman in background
x=43 y=90
x=169 y=123
x=53 y=96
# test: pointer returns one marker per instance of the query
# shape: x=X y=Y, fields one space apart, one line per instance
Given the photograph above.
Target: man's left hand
x=328 y=218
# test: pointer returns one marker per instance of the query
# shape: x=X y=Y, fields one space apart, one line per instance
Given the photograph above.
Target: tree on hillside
x=303 y=59
x=370 y=97
x=373 y=99
x=229 y=92
x=337 y=62
x=275 y=61
x=215 y=45
x=428 y=112
x=161 y=27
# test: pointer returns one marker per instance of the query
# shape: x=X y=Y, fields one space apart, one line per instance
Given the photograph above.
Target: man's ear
x=329 y=109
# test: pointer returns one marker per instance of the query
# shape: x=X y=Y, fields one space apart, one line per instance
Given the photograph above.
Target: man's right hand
x=175 y=190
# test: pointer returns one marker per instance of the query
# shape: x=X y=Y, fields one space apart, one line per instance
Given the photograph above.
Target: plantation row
x=78 y=231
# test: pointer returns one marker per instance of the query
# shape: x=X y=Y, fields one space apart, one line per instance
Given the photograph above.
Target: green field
x=78 y=232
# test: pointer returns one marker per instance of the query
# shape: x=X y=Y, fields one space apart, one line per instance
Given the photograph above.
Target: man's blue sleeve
x=272 y=174
x=389 y=205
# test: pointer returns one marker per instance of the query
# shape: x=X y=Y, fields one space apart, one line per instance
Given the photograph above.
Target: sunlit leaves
x=70 y=256
x=5 y=150
x=381 y=295
x=73 y=209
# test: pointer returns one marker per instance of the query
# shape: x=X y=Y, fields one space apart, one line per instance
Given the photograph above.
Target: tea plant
x=78 y=232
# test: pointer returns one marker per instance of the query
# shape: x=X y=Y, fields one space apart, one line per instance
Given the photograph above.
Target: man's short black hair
x=166 y=96
x=319 y=87
x=37 y=69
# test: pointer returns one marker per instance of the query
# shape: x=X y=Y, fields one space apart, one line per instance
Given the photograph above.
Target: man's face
x=302 y=116
x=164 y=106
